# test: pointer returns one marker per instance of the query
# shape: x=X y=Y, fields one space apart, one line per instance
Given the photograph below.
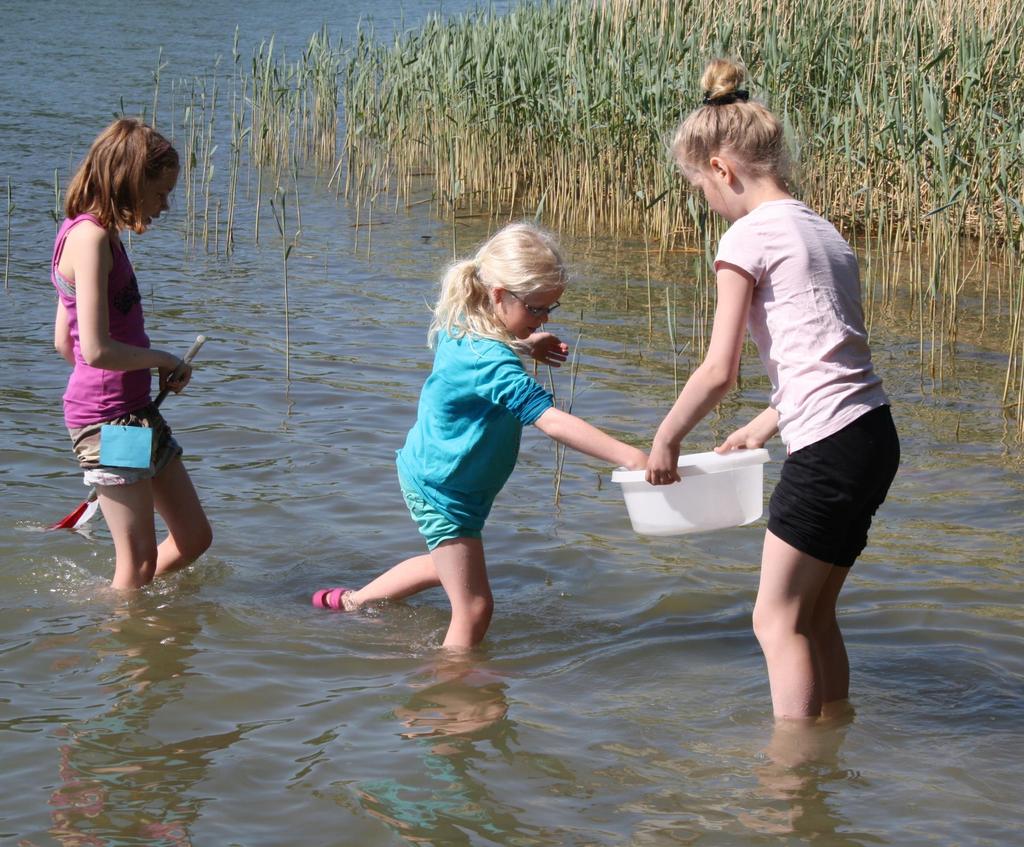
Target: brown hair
x=112 y=178
x=521 y=258
x=731 y=124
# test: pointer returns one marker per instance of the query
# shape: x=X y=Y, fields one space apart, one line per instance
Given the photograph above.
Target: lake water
x=620 y=697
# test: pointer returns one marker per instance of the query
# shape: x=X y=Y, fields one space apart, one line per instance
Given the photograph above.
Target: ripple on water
x=620 y=697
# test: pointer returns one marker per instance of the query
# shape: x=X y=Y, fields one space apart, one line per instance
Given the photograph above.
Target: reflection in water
x=117 y=781
x=456 y=706
x=453 y=698
x=794 y=796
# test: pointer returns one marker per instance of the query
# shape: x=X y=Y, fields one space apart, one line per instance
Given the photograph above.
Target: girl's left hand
x=174 y=383
x=753 y=434
x=744 y=438
x=547 y=349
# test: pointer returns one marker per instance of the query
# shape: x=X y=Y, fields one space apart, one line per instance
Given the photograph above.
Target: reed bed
x=902 y=112
x=903 y=115
x=283 y=124
x=283 y=121
x=294 y=105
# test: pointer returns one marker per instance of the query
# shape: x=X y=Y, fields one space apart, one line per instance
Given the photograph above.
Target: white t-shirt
x=806 y=319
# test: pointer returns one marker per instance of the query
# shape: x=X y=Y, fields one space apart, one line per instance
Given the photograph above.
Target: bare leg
x=463 y=573
x=128 y=511
x=830 y=651
x=790 y=585
x=188 y=530
x=408 y=577
x=458 y=566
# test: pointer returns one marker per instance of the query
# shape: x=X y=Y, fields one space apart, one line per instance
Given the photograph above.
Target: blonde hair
x=730 y=123
x=521 y=258
x=111 y=181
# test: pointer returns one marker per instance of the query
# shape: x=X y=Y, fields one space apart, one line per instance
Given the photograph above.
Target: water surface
x=620 y=697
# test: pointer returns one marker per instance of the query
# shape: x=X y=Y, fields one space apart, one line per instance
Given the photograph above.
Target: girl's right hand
x=663 y=463
x=175 y=378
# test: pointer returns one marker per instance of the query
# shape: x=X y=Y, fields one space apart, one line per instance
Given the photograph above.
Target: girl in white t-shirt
x=786 y=273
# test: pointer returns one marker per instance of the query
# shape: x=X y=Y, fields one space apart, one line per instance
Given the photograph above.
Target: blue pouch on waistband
x=125 y=446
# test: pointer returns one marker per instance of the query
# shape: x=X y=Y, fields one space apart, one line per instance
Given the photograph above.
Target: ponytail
x=520 y=258
x=464 y=305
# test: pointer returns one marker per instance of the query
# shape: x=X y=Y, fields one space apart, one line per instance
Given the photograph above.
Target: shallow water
x=620 y=697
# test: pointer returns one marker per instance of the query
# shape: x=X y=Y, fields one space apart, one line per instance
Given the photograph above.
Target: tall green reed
x=903 y=114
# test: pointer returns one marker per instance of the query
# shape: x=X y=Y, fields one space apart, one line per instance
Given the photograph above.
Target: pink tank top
x=93 y=394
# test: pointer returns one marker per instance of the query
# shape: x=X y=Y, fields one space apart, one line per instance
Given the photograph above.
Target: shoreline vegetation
x=903 y=116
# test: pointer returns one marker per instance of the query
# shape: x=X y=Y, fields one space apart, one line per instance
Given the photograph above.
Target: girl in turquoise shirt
x=472 y=409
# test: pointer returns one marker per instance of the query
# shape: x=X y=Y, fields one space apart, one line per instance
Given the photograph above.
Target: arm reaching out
x=712 y=379
x=577 y=433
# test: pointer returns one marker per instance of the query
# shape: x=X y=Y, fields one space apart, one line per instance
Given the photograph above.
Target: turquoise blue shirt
x=465 y=442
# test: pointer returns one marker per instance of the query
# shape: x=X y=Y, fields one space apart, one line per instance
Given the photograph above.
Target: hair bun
x=722 y=82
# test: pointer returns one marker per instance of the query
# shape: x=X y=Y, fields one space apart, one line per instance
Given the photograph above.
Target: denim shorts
x=85 y=441
x=432 y=524
x=829 y=491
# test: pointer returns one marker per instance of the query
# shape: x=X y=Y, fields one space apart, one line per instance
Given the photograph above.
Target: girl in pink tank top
x=124 y=182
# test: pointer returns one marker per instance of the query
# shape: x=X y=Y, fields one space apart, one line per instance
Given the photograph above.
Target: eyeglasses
x=536 y=311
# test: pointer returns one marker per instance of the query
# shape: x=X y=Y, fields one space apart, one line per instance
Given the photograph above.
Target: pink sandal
x=330 y=598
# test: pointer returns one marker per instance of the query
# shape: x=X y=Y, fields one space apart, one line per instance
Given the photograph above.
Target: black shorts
x=829 y=490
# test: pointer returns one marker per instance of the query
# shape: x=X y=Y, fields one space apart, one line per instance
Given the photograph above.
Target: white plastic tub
x=715 y=491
